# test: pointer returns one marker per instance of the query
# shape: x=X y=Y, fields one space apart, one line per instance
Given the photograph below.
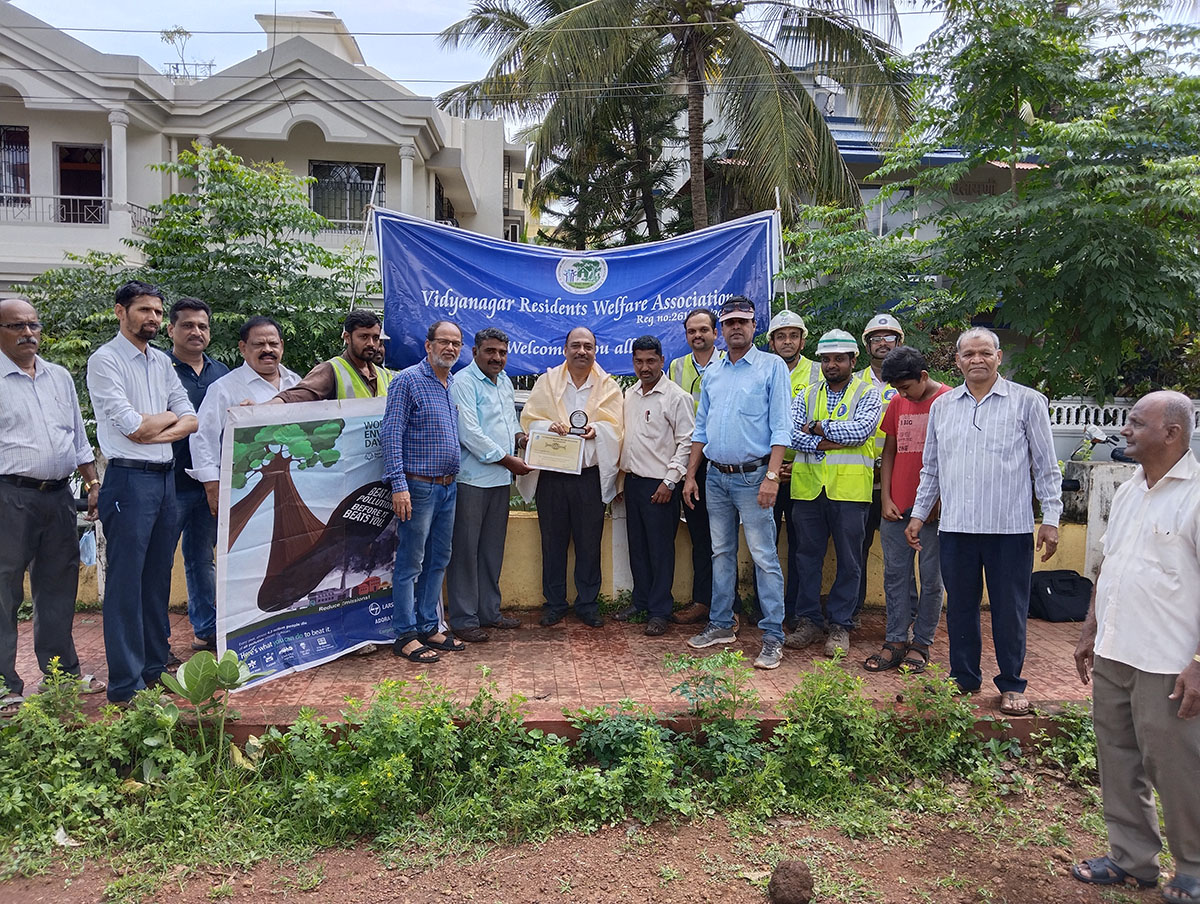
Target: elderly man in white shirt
x=260 y=378
x=42 y=442
x=1141 y=646
x=141 y=409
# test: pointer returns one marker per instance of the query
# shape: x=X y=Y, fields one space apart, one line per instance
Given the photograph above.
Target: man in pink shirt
x=912 y=617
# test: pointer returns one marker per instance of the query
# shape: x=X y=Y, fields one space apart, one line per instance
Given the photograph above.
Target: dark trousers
x=783 y=515
x=570 y=510
x=1007 y=562
x=817 y=520
x=137 y=509
x=698 y=530
x=198 y=528
x=40 y=537
x=651 y=527
x=874 y=516
x=477 y=554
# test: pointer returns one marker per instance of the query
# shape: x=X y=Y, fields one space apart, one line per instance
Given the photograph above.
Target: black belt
x=136 y=464
x=744 y=468
x=32 y=483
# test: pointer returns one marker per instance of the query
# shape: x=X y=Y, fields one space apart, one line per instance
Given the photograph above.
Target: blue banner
x=537 y=294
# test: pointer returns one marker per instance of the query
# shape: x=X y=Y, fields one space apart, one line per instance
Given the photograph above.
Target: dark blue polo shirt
x=195 y=385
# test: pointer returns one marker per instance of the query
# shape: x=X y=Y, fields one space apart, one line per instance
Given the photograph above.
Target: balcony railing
x=141 y=218
x=54 y=209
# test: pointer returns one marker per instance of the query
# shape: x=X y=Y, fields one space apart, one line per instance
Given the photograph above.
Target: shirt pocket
x=752 y=404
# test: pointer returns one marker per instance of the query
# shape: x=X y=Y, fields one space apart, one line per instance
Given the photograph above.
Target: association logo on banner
x=581 y=275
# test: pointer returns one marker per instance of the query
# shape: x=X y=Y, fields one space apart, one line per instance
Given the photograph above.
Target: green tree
x=1088 y=247
x=577 y=55
x=241 y=238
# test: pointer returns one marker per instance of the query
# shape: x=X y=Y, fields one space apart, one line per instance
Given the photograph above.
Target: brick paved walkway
x=570 y=666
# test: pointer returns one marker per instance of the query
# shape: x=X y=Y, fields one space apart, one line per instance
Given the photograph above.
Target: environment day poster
x=306 y=538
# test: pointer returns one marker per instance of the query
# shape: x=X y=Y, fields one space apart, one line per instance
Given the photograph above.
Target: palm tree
x=574 y=57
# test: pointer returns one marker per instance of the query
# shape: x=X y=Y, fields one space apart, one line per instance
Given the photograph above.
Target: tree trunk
x=645 y=183
x=695 y=91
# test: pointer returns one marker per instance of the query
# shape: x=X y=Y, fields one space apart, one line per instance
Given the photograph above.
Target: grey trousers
x=908 y=608
x=39 y=536
x=1142 y=746
x=473 y=577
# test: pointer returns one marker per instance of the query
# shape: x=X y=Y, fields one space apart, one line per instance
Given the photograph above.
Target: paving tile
x=570 y=666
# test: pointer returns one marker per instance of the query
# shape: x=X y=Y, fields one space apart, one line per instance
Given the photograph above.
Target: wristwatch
x=669 y=484
x=772 y=475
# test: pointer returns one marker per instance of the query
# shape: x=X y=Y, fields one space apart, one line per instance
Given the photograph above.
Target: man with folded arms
x=42 y=442
x=658 y=439
x=141 y=409
x=571 y=506
x=488 y=434
x=742 y=430
x=421 y=460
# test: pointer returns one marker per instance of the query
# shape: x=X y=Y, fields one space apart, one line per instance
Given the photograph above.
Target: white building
x=79 y=130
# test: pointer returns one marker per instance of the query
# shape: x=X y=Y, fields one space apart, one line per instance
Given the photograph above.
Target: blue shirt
x=195 y=385
x=487 y=424
x=744 y=408
x=420 y=427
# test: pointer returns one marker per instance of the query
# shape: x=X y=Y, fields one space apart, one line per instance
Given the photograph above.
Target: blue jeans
x=137 y=509
x=817 y=520
x=731 y=496
x=422 y=554
x=199 y=530
x=906 y=607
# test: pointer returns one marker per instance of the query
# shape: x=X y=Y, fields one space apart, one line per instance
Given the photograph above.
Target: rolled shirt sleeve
x=205 y=443
x=780 y=395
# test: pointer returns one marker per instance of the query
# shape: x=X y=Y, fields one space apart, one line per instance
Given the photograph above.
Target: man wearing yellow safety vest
x=833 y=432
x=785 y=337
x=687 y=371
x=881 y=334
x=351 y=375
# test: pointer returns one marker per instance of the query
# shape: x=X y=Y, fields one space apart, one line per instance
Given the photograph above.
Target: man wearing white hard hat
x=881 y=334
x=785 y=337
x=833 y=433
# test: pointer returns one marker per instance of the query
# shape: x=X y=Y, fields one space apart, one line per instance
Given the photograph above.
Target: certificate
x=551 y=452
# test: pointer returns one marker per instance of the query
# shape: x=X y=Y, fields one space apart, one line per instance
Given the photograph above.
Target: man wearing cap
x=785 y=337
x=881 y=334
x=742 y=430
x=687 y=372
x=576 y=395
x=833 y=433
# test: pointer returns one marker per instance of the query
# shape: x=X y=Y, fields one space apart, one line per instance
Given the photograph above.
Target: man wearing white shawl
x=571 y=506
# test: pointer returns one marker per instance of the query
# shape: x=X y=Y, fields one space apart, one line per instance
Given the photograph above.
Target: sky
x=398 y=37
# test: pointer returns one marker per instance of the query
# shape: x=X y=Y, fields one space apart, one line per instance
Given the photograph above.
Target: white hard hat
x=836 y=341
x=883 y=323
x=786 y=319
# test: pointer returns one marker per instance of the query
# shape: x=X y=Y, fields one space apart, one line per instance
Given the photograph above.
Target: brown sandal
x=889 y=657
x=1014 y=703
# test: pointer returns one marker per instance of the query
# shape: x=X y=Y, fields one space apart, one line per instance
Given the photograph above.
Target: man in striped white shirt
x=988 y=450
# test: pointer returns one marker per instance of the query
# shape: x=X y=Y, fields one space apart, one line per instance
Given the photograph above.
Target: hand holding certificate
x=551 y=452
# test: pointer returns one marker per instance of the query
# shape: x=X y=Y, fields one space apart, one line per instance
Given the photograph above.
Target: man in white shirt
x=42 y=442
x=141 y=409
x=659 y=417
x=1141 y=646
x=261 y=376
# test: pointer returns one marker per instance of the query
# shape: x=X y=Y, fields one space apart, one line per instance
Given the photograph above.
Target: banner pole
x=779 y=216
x=365 y=232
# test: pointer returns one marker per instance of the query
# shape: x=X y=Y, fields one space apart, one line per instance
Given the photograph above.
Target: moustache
x=27 y=340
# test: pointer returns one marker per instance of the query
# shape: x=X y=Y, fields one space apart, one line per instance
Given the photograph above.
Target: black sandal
x=420 y=654
x=916 y=664
x=1103 y=871
x=450 y=644
x=879 y=662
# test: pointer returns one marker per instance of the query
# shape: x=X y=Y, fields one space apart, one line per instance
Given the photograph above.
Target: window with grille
x=343 y=190
x=14 y=163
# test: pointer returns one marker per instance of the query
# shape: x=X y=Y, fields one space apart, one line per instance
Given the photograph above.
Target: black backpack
x=1059 y=596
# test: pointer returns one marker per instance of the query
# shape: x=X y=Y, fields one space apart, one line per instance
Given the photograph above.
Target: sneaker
x=838 y=641
x=806 y=634
x=711 y=636
x=771 y=655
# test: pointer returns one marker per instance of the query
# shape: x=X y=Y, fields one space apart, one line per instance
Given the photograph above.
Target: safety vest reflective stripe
x=683 y=373
x=350 y=383
x=886 y=393
x=845 y=474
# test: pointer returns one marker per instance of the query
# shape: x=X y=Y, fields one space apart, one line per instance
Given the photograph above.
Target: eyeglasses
x=448 y=343
x=34 y=326
x=744 y=307
x=889 y=338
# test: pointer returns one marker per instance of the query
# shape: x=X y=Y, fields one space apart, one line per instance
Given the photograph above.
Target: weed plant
x=416 y=770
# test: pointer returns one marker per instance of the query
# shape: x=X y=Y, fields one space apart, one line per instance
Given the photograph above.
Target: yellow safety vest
x=805 y=373
x=350 y=383
x=886 y=392
x=682 y=372
x=845 y=474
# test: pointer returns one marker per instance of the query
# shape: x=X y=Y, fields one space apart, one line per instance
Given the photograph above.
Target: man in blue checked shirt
x=489 y=433
x=421 y=458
